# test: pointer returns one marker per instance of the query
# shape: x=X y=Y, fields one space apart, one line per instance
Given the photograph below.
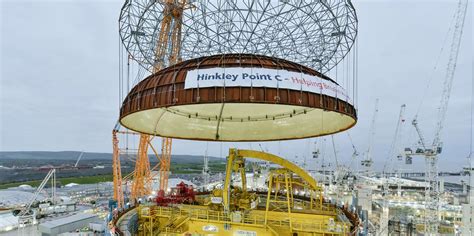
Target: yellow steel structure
x=169 y=38
x=165 y=161
x=141 y=173
x=116 y=166
x=201 y=220
x=275 y=178
x=283 y=213
x=141 y=184
x=236 y=156
x=170 y=26
x=117 y=171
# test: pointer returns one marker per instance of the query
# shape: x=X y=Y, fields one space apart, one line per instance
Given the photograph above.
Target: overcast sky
x=59 y=79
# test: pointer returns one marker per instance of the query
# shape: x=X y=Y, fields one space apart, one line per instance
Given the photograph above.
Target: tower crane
x=367 y=162
x=25 y=216
x=431 y=152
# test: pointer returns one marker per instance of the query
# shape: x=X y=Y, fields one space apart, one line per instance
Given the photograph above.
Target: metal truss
x=317 y=34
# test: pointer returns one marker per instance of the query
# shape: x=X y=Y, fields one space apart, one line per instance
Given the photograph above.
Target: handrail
x=218 y=216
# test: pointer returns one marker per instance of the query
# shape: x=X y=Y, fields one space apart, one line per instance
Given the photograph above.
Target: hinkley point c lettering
x=234 y=77
x=217 y=76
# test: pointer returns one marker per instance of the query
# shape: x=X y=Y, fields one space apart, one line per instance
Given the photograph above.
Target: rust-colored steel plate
x=231 y=105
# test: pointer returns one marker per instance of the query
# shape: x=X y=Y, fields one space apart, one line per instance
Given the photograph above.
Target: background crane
x=430 y=152
x=205 y=168
x=25 y=216
x=79 y=158
x=394 y=150
x=367 y=162
x=393 y=153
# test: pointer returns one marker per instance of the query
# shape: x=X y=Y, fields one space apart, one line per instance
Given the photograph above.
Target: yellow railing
x=255 y=219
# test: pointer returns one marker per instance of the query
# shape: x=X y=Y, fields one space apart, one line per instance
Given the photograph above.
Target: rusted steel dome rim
x=167 y=104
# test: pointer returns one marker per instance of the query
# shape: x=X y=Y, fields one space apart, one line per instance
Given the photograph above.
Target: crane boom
x=450 y=70
x=79 y=158
x=368 y=155
x=394 y=146
x=418 y=131
x=51 y=174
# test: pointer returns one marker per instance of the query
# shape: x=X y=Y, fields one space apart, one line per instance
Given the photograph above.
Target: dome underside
x=267 y=122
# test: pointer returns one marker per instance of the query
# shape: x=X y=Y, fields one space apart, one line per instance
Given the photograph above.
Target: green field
x=176 y=168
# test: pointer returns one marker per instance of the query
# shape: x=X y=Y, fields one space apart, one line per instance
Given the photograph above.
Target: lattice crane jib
x=117 y=171
x=141 y=184
x=165 y=162
x=367 y=162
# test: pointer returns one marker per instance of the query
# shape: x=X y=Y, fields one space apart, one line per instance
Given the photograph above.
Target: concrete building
x=67 y=224
x=7 y=221
x=468 y=209
x=364 y=196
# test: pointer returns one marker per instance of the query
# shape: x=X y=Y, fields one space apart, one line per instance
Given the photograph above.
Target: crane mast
x=117 y=170
x=205 y=169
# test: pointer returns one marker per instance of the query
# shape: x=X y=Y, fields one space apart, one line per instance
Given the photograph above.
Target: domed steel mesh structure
x=246 y=70
x=317 y=34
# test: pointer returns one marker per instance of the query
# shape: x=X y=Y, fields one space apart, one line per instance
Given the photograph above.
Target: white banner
x=216 y=200
x=262 y=77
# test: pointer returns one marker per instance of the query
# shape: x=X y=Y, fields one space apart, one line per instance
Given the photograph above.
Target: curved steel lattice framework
x=317 y=34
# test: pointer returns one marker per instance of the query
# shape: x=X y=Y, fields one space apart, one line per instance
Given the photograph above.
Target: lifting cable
x=471 y=140
x=323 y=153
x=120 y=77
x=335 y=152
